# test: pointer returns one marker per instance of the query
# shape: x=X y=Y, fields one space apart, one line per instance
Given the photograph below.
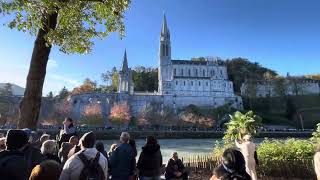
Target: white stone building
x=185 y=82
x=292 y=86
x=181 y=83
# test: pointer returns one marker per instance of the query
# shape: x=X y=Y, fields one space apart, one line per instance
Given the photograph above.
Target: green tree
x=6 y=90
x=240 y=69
x=50 y=94
x=69 y=24
x=240 y=125
x=198 y=59
x=112 y=80
x=145 y=79
x=63 y=93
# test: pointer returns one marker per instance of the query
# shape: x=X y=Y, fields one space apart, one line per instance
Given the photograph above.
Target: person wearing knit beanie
x=12 y=160
x=88 y=140
x=16 y=139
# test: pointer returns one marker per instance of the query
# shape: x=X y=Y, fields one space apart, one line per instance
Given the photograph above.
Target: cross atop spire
x=164 y=29
x=125 y=61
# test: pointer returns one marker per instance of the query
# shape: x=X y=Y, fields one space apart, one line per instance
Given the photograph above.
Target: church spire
x=164 y=29
x=125 y=61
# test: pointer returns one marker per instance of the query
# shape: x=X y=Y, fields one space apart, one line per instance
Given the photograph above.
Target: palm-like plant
x=240 y=125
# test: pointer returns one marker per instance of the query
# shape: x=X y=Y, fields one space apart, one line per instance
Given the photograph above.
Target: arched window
x=162 y=50
x=167 y=50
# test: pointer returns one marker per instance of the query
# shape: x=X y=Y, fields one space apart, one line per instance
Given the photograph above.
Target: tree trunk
x=31 y=102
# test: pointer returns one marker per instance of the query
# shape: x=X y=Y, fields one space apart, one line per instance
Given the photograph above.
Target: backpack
x=92 y=169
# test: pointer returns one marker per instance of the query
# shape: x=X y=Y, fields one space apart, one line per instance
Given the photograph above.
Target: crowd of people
x=25 y=154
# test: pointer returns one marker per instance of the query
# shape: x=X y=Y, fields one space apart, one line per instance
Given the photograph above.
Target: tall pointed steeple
x=125 y=61
x=164 y=29
x=164 y=58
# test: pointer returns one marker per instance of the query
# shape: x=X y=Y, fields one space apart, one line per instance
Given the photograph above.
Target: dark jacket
x=121 y=161
x=52 y=157
x=13 y=166
x=172 y=167
x=64 y=151
x=150 y=161
x=33 y=157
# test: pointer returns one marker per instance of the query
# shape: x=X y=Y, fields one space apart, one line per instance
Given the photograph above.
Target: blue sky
x=280 y=34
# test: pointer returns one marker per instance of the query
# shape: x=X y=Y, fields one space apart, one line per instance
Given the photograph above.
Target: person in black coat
x=175 y=168
x=13 y=165
x=150 y=160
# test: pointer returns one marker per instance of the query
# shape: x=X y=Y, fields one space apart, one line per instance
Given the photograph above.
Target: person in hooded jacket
x=150 y=160
x=13 y=165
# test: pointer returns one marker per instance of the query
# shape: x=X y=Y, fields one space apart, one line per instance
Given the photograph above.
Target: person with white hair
x=248 y=148
x=121 y=159
x=48 y=149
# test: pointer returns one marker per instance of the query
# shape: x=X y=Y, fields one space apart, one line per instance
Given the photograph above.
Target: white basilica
x=182 y=82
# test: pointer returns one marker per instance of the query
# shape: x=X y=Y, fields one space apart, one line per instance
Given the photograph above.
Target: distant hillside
x=16 y=90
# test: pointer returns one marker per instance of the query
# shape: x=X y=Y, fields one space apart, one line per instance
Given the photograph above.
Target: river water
x=184 y=147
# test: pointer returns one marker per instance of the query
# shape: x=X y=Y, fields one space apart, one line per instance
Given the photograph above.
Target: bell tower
x=164 y=58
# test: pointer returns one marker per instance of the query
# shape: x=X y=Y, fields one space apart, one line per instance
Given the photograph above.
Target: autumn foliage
x=92 y=114
x=87 y=86
x=120 y=114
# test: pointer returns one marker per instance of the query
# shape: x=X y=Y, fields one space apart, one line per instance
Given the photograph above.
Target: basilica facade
x=184 y=82
x=180 y=83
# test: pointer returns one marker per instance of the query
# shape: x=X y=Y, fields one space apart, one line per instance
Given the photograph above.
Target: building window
x=191 y=83
x=184 y=83
x=176 y=82
x=206 y=83
x=175 y=72
x=204 y=73
x=181 y=72
x=196 y=72
x=162 y=50
x=189 y=72
x=167 y=50
x=199 y=83
x=221 y=72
